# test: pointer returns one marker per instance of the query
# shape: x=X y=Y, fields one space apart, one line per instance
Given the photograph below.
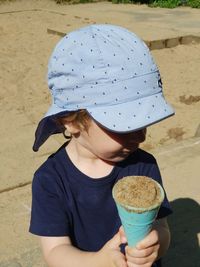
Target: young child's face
x=107 y=145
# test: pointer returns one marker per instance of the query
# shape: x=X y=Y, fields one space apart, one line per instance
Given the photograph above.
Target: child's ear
x=71 y=127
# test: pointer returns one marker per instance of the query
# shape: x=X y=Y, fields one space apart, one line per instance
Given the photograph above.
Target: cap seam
x=97 y=45
x=125 y=101
x=106 y=82
x=126 y=79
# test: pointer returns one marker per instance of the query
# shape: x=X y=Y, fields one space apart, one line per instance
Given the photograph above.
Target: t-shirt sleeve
x=165 y=208
x=49 y=216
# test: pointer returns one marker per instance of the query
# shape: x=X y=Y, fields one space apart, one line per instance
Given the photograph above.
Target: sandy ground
x=25 y=47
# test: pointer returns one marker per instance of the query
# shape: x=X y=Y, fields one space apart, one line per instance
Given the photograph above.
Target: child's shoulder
x=52 y=166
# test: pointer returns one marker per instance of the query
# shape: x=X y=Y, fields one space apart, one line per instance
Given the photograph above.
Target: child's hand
x=145 y=253
x=110 y=253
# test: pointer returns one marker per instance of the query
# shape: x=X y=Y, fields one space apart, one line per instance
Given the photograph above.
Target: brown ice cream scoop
x=138 y=192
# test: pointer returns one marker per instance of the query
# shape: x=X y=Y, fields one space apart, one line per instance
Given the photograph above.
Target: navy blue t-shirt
x=66 y=202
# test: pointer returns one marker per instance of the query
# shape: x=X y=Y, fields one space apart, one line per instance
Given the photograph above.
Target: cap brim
x=48 y=126
x=133 y=115
x=122 y=118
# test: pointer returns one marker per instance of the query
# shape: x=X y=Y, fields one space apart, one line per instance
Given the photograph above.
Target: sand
x=24 y=97
x=25 y=47
x=137 y=192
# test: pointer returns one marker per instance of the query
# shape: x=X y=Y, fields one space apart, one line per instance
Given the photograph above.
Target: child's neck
x=87 y=162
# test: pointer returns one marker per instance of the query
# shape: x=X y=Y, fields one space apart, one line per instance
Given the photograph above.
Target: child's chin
x=119 y=158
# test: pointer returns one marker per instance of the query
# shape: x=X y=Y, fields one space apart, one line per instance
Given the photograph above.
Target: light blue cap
x=110 y=72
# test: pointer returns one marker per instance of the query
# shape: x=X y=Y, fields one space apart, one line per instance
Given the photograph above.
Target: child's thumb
x=122 y=235
x=115 y=242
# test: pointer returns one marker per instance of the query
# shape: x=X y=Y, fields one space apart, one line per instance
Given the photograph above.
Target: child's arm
x=59 y=252
x=151 y=248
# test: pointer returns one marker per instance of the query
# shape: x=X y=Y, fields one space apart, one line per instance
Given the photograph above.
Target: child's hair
x=80 y=118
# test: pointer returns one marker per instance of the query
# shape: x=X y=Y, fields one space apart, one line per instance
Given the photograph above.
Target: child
x=106 y=90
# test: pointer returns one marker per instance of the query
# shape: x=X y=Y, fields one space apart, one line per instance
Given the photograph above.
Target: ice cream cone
x=137 y=221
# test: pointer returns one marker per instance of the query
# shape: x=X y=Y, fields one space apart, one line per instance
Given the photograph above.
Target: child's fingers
x=115 y=242
x=130 y=264
x=122 y=235
x=142 y=260
x=151 y=239
x=136 y=253
x=120 y=261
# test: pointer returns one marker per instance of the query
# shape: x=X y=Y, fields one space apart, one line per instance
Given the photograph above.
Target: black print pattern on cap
x=110 y=72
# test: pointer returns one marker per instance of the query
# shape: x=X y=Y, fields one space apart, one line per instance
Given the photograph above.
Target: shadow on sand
x=184 y=224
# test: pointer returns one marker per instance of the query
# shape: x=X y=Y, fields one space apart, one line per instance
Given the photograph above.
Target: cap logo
x=160 y=83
